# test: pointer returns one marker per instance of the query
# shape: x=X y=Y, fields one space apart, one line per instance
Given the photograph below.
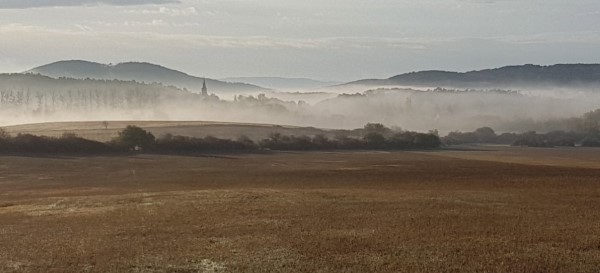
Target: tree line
x=136 y=139
x=585 y=133
x=30 y=93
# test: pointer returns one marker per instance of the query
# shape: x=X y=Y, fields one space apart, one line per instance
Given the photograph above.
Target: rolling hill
x=32 y=97
x=141 y=72
x=101 y=131
x=561 y=75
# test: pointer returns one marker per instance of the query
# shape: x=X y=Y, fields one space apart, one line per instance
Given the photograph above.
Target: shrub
x=4 y=134
x=427 y=141
x=404 y=140
x=133 y=137
x=27 y=143
x=590 y=142
x=182 y=144
x=485 y=135
x=531 y=139
x=374 y=140
x=376 y=128
x=480 y=135
x=506 y=138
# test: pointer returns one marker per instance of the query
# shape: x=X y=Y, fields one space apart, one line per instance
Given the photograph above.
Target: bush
x=27 y=143
x=404 y=140
x=4 y=134
x=552 y=139
x=531 y=139
x=427 y=141
x=562 y=138
x=322 y=142
x=480 y=135
x=4 y=138
x=182 y=144
x=506 y=138
x=457 y=138
x=347 y=143
x=277 y=141
x=590 y=142
x=246 y=142
x=377 y=128
x=485 y=135
x=374 y=140
x=133 y=137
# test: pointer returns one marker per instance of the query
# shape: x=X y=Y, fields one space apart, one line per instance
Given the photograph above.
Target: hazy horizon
x=323 y=40
x=299 y=140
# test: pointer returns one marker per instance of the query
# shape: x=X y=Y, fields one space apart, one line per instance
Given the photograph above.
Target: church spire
x=204 y=89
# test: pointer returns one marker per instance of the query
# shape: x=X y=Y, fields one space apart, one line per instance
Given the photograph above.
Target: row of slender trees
x=35 y=93
x=81 y=99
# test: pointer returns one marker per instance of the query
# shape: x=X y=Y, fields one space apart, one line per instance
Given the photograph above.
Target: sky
x=320 y=39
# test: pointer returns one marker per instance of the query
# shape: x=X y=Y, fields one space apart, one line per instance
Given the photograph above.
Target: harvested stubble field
x=303 y=212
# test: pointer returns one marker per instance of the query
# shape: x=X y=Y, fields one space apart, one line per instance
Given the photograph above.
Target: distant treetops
x=135 y=139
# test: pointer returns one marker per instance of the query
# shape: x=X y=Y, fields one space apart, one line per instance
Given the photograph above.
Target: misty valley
x=36 y=98
x=314 y=136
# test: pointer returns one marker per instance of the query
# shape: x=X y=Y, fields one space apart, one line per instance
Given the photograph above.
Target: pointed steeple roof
x=204 y=89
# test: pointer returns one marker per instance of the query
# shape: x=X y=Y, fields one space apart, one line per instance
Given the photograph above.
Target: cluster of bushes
x=132 y=138
x=551 y=139
x=372 y=140
x=487 y=135
x=68 y=143
x=590 y=141
x=182 y=144
x=583 y=131
x=372 y=136
x=481 y=135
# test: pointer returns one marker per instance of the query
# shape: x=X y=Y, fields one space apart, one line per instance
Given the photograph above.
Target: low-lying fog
x=418 y=109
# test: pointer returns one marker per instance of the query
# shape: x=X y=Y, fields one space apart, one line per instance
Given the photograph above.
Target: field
x=494 y=209
x=101 y=131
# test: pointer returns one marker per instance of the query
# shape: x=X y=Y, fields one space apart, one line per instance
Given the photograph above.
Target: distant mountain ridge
x=508 y=76
x=141 y=72
x=282 y=83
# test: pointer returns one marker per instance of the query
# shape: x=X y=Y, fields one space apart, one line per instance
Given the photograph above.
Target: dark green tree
x=374 y=140
x=376 y=128
x=134 y=137
x=485 y=135
x=4 y=134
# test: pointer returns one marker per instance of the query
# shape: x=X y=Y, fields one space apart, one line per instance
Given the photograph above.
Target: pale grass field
x=302 y=212
x=99 y=132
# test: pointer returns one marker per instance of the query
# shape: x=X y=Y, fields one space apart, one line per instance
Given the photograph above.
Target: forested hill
x=141 y=72
x=37 y=93
x=561 y=75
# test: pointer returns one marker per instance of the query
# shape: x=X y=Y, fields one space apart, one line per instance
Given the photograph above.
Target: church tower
x=204 y=89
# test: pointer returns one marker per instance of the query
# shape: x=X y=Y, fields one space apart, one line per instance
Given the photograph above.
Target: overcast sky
x=323 y=39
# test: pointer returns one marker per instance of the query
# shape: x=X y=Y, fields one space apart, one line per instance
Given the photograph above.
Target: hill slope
x=142 y=72
x=28 y=97
x=101 y=131
x=508 y=76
